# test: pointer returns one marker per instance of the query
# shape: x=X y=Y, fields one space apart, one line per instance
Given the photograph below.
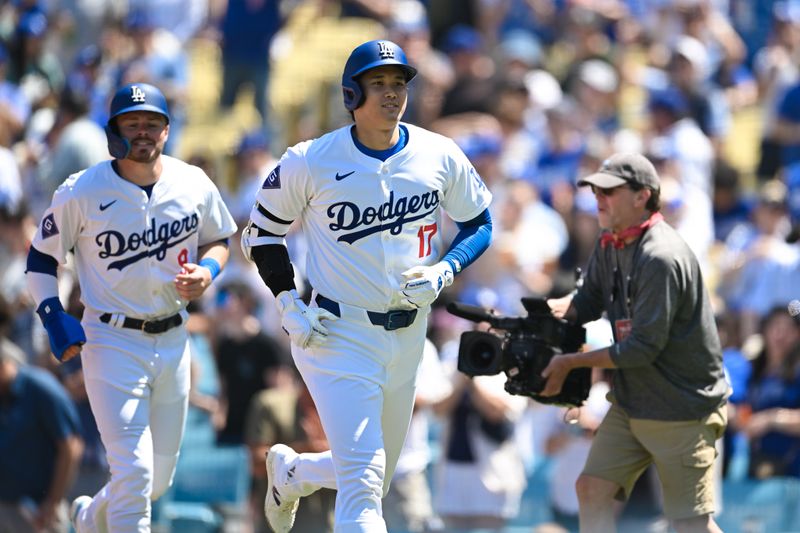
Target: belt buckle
x=148 y=326
x=399 y=318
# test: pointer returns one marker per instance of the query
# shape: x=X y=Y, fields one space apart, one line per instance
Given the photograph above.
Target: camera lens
x=480 y=353
x=483 y=354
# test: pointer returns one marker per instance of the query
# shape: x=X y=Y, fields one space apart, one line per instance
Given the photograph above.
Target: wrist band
x=212 y=265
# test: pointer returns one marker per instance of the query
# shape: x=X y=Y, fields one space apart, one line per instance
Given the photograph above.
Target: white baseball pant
x=138 y=388
x=362 y=381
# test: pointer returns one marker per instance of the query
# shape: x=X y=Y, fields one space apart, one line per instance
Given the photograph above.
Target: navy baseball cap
x=670 y=99
x=138 y=97
x=462 y=38
x=255 y=140
x=89 y=56
x=139 y=20
x=33 y=24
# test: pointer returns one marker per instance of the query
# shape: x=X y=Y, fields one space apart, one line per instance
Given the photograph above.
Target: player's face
x=147 y=133
x=386 y=94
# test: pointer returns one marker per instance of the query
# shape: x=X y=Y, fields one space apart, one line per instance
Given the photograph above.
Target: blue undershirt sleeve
x=41 y=262
x=470 y=242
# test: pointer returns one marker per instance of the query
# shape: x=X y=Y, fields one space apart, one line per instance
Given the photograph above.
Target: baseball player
x=370 y=198
x=149 y=233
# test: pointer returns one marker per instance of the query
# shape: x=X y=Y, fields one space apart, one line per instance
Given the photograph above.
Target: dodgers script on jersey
x=368 y=221
x=129 y=247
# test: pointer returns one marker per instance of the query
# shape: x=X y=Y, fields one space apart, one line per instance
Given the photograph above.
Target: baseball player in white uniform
x=149 y=233
x=370 y=198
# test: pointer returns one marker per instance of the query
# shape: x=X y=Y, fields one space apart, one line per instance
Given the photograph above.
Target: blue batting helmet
x=367 y=56
x=130 y=98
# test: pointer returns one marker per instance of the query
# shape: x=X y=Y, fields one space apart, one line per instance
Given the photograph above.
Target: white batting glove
x=424 y=283
x=302 y=323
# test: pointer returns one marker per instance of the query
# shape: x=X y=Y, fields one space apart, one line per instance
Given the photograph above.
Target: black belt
x=148 y=326
x=391 y=320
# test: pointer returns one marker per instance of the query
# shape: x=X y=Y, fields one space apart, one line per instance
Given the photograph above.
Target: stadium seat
x=189 y=517
x=211 y=487
x=535 y=505
x=760 y=505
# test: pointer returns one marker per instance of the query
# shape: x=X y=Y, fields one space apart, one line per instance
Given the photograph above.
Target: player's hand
x=555 y=373
x=192 y=281
x=422 y=284
x=71 y=352
x=64 y=331
x=302 y=323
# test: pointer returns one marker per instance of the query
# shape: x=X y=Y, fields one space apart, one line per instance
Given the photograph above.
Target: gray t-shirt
x=669 y=364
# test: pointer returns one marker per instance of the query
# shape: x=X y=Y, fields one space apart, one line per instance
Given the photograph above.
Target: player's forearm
x=218 y=251
x=41 y=286
x=41 y=276
x=471 y=241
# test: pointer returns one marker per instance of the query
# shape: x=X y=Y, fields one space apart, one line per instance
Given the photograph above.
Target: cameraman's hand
x=560 y=306
x=555 y=373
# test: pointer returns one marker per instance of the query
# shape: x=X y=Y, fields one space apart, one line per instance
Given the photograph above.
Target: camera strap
x=622 y=281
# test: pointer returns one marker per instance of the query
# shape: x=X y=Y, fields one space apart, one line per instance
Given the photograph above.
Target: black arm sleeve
x=274 y=267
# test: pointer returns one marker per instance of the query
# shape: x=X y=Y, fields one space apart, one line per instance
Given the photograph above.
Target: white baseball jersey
x=129 y=247
x=366 y=220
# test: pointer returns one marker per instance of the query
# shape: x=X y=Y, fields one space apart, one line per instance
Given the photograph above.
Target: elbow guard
x=274 y=267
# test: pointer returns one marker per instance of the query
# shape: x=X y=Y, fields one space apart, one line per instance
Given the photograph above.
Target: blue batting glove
x=63 y=329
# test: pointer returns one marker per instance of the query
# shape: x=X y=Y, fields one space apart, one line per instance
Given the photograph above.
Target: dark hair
x=74 y=99
x=760 y=362
x=243 y=292
x=654 y=202
x=6 y=315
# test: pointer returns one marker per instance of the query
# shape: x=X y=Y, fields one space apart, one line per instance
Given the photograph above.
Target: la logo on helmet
x=385 y=51
x=137 y=95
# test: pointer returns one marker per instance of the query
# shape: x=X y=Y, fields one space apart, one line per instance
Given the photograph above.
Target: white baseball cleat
x=78 y=505
x=279 y=508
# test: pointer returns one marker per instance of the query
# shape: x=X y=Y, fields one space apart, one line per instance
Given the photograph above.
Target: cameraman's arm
x=560 y=365
x=562 y=308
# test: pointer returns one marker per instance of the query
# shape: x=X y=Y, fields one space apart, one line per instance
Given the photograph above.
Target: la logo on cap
x=385 y=51
x=137 y=95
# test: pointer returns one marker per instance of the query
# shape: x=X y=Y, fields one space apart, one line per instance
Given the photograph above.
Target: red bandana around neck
x=618 y=239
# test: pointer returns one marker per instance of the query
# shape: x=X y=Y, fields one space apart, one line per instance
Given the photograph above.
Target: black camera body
x=523 y=351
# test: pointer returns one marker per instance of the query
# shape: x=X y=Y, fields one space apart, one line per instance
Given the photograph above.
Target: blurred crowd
x=536 y=93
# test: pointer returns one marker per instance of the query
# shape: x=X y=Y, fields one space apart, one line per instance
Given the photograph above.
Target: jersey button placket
x=150 y=259
x=385 y=235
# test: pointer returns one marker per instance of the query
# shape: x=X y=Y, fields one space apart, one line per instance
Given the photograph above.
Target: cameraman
x=669 y=392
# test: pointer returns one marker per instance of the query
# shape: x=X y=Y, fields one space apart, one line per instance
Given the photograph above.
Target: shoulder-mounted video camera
x=523 y=351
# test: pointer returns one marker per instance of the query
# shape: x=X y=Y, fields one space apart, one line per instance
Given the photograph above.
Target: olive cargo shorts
x=682 y=451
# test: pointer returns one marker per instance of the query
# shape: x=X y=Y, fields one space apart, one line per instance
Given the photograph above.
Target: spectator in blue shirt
x=787 y=129
x=247 y=32
x=40 y=446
